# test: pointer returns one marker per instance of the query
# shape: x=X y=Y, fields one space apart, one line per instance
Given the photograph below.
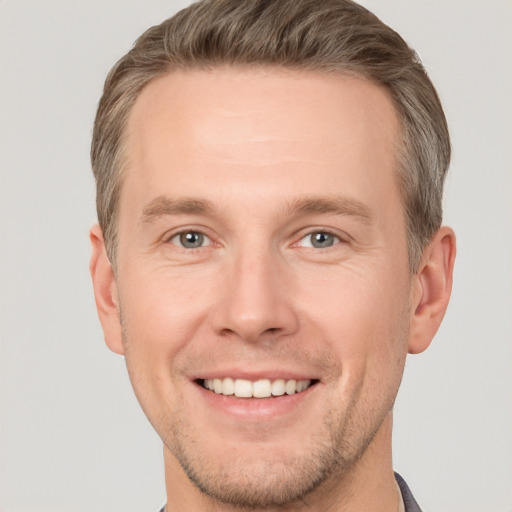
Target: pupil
x=191 y=239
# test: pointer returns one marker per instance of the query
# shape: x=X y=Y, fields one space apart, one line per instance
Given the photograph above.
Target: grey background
x=72 y=437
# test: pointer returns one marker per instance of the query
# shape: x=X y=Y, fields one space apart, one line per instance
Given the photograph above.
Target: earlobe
x=432 y=289
x=105 y=291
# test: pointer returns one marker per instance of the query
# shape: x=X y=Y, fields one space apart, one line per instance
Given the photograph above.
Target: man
x=269 y=249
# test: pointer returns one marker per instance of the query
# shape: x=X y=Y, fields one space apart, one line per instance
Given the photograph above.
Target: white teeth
x=217 y=386
x=262 y=388
x=228 y=386
x=291 y=387
x=279 y=387
x=302 y=386
x=243 y=388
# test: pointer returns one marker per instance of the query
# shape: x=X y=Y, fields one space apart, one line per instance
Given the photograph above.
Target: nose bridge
x=256 y=303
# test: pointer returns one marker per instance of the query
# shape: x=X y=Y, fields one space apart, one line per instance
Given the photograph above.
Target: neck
x=369 y=485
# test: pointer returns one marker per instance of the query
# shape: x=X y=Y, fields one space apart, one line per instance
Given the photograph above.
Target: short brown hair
x=326 y=36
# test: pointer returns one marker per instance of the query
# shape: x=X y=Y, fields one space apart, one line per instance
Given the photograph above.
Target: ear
x=431 y=289
x=105 y=292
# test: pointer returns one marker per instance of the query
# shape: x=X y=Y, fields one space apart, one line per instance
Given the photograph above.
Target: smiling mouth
x=263 y=388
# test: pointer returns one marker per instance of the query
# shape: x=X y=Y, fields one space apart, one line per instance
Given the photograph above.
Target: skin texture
x=256 y=160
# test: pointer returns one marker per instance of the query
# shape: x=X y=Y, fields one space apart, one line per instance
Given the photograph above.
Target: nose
x=256 y=300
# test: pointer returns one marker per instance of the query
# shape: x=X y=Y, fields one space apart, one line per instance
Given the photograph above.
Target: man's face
x=262 y=242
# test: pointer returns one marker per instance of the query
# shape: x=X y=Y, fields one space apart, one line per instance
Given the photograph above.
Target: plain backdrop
x=72 y=437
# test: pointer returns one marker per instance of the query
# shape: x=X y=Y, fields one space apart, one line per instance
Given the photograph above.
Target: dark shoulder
x=411 y=505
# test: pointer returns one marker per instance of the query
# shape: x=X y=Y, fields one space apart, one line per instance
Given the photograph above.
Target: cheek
x=164 y=308
x=161 y=314
x=157 y=323
x=362 y=315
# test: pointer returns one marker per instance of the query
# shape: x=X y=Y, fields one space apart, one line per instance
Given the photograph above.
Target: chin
x=261 y=477
x=261 y=483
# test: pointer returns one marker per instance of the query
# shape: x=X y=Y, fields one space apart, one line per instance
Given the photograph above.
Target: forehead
x=246 y=126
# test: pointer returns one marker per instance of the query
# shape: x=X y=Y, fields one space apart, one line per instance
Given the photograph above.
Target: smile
x=263 y=388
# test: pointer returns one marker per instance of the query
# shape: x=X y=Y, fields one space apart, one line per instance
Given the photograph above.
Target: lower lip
x=256 y=408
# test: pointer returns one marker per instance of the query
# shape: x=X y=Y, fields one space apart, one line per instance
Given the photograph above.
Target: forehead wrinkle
x=163 y=205
x=337 y=205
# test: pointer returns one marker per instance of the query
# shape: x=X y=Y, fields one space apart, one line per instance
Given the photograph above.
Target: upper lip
x=254 y=375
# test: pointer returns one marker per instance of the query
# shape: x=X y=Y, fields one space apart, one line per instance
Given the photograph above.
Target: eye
x=190 y=240
x=319 y=240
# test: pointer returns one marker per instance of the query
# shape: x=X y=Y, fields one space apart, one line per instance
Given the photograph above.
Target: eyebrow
x=336 y=205
x=162 y=206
